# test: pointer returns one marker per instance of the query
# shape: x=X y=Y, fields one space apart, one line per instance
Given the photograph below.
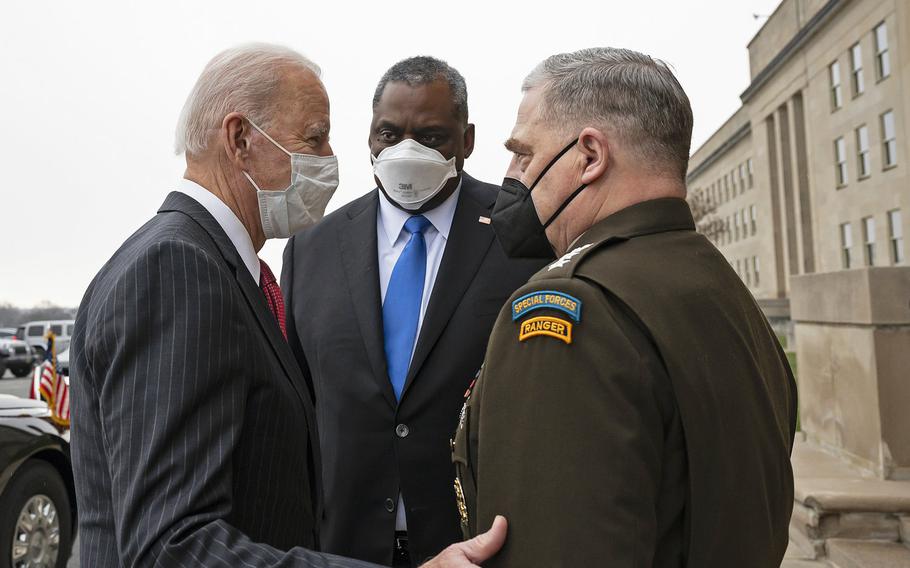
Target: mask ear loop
x=269 y=138
x=552 y=162
x=564 y=205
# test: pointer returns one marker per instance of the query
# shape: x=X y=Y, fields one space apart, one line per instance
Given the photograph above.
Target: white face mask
x=412 y=174
x=314 y=180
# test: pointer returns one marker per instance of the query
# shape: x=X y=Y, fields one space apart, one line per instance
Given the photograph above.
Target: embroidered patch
x=547 y=299
x=545 y=325
x=564 y=259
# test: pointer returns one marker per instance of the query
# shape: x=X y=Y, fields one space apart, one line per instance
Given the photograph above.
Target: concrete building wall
x=792 y=128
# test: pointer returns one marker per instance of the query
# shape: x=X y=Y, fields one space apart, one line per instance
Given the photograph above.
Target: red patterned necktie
x=272 y=295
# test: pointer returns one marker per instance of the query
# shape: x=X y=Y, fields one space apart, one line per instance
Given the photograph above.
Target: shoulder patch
x=566 y=258
x=547 y=326
x=547 y=299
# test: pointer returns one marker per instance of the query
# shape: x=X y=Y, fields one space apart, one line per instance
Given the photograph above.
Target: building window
x=733 y=181
x=837 y=96
x=869 y=240
x=726 y=188
x=846 y=243
x=742 y=178
x=889 y=140
x=752 y=220
x=882 y=58
x=746 y=272
x=749 y=171
x=862 y=152
x=739 y=269
x=896 y=236
x=856 y=70
x=755 y=269
x=736 y=226
x=840 y=161
x=727 y=230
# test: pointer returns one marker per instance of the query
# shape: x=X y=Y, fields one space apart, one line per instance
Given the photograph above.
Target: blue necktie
x=401 y=309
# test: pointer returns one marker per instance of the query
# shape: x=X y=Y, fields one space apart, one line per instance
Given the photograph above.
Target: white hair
x=242 y=79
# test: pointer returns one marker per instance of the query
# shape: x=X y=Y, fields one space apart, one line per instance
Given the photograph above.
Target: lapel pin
x=484 y=220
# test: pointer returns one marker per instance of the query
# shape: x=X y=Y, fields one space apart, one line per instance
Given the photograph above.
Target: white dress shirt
x=391 y=240
x=232 y=226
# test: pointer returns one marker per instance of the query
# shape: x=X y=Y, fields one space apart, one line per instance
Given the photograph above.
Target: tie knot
x=266 y=277
x=416 y=224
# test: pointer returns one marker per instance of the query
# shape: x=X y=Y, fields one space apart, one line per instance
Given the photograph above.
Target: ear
x=595 y=147
x=469 y=141
x=236 y=139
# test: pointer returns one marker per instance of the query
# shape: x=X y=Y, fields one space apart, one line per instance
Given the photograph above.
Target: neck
x=214 y=179
x=618 y=192
x=629 y=192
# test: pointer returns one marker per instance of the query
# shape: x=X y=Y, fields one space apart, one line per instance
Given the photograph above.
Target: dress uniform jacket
x=634 y=409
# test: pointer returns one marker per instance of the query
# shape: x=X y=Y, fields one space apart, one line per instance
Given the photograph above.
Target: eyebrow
x=517 y=146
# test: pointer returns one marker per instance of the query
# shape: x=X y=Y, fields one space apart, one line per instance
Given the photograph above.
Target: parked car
x=15 y=354
x=35 y=334
x=37 y=496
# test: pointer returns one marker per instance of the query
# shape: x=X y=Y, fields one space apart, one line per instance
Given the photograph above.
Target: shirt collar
x=229 y=222
x=441 y=216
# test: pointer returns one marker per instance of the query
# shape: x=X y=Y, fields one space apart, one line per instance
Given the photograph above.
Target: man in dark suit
x=194 y=435
x=390 y=303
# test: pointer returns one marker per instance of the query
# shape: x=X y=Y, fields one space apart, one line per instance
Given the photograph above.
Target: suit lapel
x=468 y=243
x=359 y=254
x=177 y=201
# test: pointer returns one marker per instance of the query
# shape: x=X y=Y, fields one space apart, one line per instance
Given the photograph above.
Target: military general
x=634 y=408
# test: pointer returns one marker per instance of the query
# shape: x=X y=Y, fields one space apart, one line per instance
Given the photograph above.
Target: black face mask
x=515 y=219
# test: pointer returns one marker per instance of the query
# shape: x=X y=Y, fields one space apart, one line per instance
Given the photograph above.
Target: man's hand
x=471 y=553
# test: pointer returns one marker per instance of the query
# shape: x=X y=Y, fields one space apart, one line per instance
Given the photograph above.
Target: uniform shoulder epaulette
x=568 y=263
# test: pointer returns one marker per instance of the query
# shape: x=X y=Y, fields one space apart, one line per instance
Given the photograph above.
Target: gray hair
x=244 y=79
x=627 y=93
x=422 y=70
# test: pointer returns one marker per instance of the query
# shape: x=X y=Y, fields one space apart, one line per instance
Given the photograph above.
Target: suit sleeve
x=569 y=437
x=167 y=346
x=287 y=290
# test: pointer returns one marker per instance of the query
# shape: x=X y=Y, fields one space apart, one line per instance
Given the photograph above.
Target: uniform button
x=389 y=505
x=402 y=430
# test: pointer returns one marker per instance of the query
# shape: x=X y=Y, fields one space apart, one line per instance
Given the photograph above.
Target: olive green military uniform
x=634 y=409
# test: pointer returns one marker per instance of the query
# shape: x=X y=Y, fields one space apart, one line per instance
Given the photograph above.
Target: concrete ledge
x=854 y=495
x=868 y=554
x=867 y=296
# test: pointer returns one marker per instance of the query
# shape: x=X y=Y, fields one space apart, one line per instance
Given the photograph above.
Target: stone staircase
x=845 y=518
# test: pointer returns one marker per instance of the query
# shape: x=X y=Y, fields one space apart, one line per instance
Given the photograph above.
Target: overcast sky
x=90 y=92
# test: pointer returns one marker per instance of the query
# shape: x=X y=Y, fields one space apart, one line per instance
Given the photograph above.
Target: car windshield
x=7 y=333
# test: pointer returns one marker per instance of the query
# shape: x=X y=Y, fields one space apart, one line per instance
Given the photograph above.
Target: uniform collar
x=228 y=221
x=441 y=216
x=645 y=218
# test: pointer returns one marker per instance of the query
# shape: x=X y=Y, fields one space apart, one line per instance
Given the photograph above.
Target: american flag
x=54 y=389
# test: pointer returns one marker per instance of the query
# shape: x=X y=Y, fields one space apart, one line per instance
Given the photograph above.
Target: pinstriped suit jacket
x=194 y=437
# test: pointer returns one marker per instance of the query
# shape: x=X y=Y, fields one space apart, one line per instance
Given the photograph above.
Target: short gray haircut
x=421 y=70
x=631 y=95
x=244 y=79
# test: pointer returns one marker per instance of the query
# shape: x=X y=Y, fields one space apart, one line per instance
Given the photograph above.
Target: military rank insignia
x=546 y=326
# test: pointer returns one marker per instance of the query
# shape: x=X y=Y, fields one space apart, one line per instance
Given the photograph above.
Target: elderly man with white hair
x=194 y=438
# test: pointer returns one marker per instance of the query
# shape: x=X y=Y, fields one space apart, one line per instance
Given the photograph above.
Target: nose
x=325 y=149
x=514 y=171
